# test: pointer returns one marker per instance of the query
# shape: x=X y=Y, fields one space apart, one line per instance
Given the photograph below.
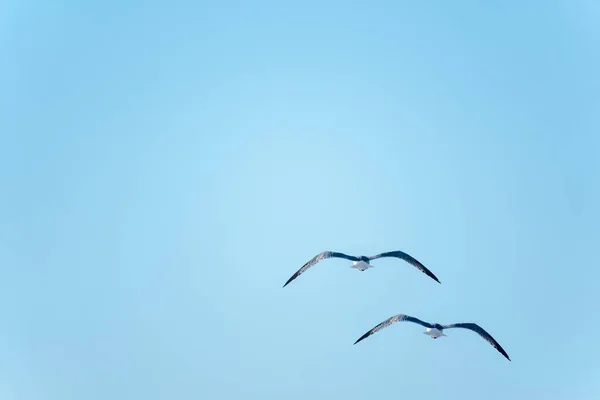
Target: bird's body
x=362 y=263
x=434 y=333
x=436 y=330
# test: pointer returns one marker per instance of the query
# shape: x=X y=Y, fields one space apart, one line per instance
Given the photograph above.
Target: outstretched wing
x=482 y=332
x=409 y=259
x=390 y=321
x=316 y=259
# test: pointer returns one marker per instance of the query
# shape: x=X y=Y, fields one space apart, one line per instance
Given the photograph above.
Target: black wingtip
x=289 y=280
x=504 y=353
x=361 y=338
x=432 y=276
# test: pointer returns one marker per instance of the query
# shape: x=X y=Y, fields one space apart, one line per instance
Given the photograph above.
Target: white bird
x=436 y=330
x=362 y=263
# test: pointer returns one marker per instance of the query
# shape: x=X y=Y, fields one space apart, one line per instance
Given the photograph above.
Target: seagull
x=436 y=330
x=362 y=263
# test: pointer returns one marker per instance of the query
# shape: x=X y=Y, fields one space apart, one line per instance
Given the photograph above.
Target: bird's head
x=364 y=258
x=439 y=328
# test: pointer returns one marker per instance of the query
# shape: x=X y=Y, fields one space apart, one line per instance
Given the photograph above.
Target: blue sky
x=166 y=167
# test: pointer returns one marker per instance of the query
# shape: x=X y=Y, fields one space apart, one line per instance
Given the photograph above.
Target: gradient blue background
x=165 y=167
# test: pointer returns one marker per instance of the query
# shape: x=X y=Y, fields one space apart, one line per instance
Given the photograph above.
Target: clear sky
x=165 y=167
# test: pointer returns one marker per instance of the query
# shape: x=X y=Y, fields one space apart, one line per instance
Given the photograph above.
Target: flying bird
x=436 y=330
x=362 y=263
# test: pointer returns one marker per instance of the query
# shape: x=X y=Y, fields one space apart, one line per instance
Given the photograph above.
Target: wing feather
x=392 y=320
x=409 y=259
x=481 y=332
x=319 y=257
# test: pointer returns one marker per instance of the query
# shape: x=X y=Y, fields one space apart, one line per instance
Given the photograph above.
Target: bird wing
x=316 y=259
x=482 y=332
x=409 y=259
x=390 y=321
